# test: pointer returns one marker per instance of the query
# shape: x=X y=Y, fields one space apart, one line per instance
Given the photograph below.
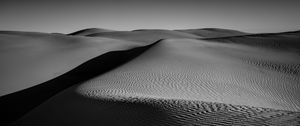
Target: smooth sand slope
x=186 y=81
x=29 y=58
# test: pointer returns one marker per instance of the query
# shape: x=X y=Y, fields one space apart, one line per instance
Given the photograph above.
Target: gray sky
x=66 y=16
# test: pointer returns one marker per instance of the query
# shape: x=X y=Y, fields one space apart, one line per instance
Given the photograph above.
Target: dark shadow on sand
x=71 y=108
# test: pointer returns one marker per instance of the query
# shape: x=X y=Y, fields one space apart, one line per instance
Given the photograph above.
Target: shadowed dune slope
x=90 y=31
x=182 y=82
x=213 y=32
x=29 y=58
x=16 y=104
x=146 y=36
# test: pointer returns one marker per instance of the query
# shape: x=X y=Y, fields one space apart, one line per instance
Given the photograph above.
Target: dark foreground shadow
x=70 y=108
x=15 y=105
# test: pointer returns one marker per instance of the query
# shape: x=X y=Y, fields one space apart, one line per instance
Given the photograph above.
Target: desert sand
x=150 y=77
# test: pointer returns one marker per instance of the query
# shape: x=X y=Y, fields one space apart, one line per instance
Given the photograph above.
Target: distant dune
x=213 y=32
x=146 y=36
x=90 y=31
x=285 y=41
x=150 y=77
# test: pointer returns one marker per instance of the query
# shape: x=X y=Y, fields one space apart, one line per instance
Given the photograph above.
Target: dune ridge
x=145 y=36
x=89 y=31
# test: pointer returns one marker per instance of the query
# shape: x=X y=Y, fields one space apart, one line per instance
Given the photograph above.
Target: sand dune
x=288 y=41
x=199 y=70
x=90 y=31
x=180 y=79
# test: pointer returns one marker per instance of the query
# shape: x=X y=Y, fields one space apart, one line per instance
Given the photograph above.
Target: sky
x=66 y=16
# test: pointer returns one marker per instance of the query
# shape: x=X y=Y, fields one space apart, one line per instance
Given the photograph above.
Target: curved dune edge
x=89 y=31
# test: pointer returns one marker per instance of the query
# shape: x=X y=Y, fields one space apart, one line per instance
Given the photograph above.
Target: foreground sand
x=182 y=79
